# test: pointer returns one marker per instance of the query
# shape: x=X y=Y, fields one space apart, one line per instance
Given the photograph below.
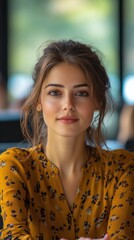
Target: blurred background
x=105 y=24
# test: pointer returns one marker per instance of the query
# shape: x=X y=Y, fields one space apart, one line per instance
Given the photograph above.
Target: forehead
x=65 y=73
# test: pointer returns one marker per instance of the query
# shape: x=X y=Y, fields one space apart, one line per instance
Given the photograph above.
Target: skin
x=65 y=94
x=106 y=237
x=68 y=109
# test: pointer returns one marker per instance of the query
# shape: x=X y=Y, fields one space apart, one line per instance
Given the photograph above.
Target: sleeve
x=121 y=218
x=13 y=197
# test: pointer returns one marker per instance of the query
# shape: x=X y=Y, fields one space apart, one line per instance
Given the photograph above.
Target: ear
x=38 y=107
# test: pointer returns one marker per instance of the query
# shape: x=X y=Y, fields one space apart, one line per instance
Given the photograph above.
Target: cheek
x=87 y=111
x=89 y=117
x=47 y=105
x=49 y=108
x=88 y=114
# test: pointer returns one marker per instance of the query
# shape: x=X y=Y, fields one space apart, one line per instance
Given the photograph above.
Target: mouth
x=68 y=119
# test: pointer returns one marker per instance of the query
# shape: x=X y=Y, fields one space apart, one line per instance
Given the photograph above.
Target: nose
x=69 y=108
x=68 y=104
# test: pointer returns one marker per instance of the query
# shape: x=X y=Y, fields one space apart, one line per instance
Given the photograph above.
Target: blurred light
x=19 y=85
x=128 y=89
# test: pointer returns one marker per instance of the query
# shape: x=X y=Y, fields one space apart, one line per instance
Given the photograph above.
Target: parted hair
x=88 y=59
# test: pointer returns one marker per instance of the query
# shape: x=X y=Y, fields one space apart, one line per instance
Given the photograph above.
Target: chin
x=69 y=134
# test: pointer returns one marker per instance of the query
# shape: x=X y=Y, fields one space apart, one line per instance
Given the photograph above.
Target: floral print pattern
x=34 y=205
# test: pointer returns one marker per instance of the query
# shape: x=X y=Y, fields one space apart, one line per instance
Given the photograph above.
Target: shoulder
x=14 y=153
x=19 y=155
x=19 y=163
x=115 y=159
x=120 y=163
x=12 y=160
x=119 y=155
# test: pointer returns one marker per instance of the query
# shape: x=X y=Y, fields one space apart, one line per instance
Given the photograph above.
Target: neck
x=68 y=154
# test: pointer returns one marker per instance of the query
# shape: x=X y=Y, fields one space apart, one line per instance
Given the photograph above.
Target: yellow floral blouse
x=34 y=205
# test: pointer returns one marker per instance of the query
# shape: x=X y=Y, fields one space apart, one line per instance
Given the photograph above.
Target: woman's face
x=66 y=101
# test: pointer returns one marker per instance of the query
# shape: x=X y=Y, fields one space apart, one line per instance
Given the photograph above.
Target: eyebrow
x=62 y=86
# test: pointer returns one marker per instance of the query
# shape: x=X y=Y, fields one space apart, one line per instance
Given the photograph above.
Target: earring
x=38 y=107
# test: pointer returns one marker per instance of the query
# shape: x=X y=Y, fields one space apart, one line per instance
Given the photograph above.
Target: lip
x=68 y=119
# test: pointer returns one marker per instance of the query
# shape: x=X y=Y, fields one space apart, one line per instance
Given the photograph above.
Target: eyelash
x=54 y=93
x=58 y=93
x=82 y=94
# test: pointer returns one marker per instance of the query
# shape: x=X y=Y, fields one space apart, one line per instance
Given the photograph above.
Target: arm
x=106 y=237
x=13 y=198
x=121 y=218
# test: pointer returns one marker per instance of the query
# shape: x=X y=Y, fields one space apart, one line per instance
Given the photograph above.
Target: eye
x=54 y=93
x=82 y=94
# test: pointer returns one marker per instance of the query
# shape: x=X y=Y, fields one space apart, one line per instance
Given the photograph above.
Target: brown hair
x=87 y=59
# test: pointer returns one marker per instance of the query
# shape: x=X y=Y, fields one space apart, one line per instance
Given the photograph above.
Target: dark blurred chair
x=129 y=145
x=10 y=130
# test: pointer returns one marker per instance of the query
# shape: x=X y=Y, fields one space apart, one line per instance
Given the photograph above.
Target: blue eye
x=82 y=94
x=54 y=93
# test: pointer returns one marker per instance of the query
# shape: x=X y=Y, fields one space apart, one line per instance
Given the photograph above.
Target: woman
x=66 y=186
